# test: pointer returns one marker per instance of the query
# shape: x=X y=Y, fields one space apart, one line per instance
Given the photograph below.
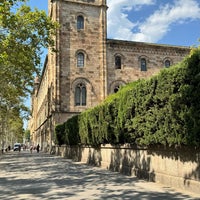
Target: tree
x=24 y=33
x=27 y=135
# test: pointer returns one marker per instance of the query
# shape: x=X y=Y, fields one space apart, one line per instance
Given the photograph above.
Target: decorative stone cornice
x=146 y=48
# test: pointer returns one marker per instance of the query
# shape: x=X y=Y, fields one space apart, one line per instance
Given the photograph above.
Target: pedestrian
x=38 y=148
x=31 y=148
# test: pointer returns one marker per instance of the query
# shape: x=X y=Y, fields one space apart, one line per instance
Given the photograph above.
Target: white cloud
x=155 y=26
x=119 y=26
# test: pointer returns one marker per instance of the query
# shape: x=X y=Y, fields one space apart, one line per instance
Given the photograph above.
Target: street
x=26 y=176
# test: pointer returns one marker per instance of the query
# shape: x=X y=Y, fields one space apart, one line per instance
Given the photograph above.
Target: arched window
x=143 y=64
x=118 y=62
x=80 y=22
x=80 y=59
x=80 y=95
x=116 y=89
x=167 y=63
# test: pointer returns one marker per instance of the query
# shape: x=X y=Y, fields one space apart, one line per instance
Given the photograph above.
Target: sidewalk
x=39 y=176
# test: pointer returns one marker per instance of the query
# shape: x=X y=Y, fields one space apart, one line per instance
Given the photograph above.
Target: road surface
x=39 y=176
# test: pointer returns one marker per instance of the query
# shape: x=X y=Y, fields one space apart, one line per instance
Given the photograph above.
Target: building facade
x=88 y=66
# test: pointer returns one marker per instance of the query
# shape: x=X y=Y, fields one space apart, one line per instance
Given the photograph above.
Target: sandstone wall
x=175 y=168
x=131 y=54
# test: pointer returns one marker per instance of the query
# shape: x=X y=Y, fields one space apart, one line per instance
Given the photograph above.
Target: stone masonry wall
x=87 y=41
x=174 y=168
x=131 y=54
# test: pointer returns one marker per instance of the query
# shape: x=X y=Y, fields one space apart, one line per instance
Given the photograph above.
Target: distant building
x=88 y=66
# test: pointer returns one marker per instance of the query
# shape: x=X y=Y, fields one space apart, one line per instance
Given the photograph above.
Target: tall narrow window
x=116 y=89
x=167 y=63
x=143 y=64
x=80 y=95
x=80 y=22
x=80 y=59
x=118 y=62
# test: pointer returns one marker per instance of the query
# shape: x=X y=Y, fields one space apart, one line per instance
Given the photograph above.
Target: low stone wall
x=177 y=168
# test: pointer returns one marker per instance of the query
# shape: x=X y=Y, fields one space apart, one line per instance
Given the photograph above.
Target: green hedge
x=67 y=133
x=164 y=109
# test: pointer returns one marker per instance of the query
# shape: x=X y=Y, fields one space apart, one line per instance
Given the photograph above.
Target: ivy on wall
x=164 y=109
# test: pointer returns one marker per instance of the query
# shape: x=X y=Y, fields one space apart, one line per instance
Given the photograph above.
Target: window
x=80 y=59
x=80 y=95
x=167 y=63
x=143 y=64
x=118 y=62
x=80 y=22
x=116 y=89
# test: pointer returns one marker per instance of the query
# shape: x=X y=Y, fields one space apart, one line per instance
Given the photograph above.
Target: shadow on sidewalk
x=42 y=176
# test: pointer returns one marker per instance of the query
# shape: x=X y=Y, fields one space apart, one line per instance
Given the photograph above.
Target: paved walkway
x=26 y=176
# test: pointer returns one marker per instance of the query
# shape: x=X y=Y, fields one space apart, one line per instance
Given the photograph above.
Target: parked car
x=17 y=147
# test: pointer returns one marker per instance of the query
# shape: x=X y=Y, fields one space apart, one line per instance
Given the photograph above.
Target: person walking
x=38 y=148
x=31 y=149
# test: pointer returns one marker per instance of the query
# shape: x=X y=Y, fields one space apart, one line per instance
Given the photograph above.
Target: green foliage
x=68 y=132
x=162 y=110
x=27 y=135
x=24 y=34
x=60 y=137
x=72 y=131
x=11 y=125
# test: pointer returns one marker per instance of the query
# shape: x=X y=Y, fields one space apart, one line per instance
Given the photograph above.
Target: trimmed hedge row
x=164 y=109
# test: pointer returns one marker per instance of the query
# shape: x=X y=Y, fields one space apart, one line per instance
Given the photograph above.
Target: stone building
x=88 y=66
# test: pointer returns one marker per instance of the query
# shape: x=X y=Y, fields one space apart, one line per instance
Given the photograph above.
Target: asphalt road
x=39 y=176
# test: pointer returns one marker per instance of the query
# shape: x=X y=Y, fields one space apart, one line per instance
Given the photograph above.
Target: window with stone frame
x=80 y=59
x=116 y=88
x=143 y=64
x=80 y=22
x=167 y=63
x=118 y=62
x=80 y=95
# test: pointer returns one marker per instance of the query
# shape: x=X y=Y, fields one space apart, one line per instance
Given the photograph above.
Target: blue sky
x=175 y=22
